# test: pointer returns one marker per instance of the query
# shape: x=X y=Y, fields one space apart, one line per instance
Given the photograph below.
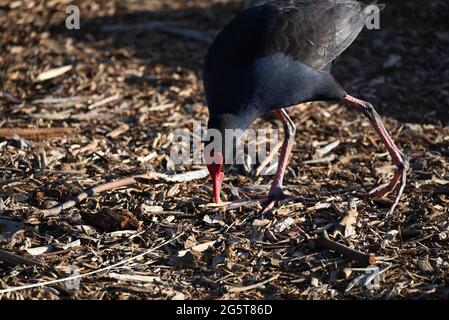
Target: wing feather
x=313 y=31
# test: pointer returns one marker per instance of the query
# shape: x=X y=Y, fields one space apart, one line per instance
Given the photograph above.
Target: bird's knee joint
x=403 y=163
x=290 y=131
x=369 y=111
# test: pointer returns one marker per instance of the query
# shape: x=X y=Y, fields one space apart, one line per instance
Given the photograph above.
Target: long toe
x=397 y=185
x=269 y=205
x=399 y=191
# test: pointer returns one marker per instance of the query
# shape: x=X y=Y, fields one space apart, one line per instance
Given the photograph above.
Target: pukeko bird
x=274 y=56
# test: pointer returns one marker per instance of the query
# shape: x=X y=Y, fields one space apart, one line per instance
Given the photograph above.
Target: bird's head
x=214 y=162
x=222 y=145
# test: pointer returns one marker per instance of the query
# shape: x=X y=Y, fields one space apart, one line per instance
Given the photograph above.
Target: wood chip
x=134 y=278
x=253 y=286
x=104 y=101
x=53 y=73
x=37 y=134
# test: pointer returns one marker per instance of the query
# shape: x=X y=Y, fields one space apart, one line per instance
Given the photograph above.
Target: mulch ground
x=134 y=76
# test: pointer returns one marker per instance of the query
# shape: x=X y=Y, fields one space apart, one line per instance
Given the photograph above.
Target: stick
x=184 y=177
x=186 y=33
x=104 y=101
x=14 y=259
x=253 y=286
x=35 y=133
x=268 y=159
x=325 y=242
x=159 y=26
x=78 y=276
x=58 y=101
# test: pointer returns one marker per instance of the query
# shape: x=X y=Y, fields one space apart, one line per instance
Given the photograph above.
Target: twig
x=184 y=177
x=104 y=101
x=251 y=287
x=186 y=33
x=159 y=26
x=14 y=259
x=52 y=100
x=268 y=159
x=8 y=96
x=134 y=278
x=78 y=276
x=325 y=242
x=35 y=133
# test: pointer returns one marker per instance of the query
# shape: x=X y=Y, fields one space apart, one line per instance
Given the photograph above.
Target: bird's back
x=313 y=31
x=270 y=53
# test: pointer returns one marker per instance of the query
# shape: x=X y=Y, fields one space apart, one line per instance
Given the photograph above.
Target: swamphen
x=277 y=55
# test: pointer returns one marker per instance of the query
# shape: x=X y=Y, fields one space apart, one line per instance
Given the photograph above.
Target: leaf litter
x=110 y=113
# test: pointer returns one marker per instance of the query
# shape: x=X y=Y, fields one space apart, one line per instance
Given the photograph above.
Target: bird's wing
x=313 y=31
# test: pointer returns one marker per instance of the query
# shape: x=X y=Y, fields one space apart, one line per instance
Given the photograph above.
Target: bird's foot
x=271 y=200
x=396 y=184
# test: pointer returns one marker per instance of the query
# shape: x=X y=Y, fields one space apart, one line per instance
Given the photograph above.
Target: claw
x=274 y=196
x=268 y=202
x=397 y=185
x=269 y=205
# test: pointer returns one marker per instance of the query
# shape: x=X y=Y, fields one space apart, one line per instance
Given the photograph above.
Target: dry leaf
x=346 y=226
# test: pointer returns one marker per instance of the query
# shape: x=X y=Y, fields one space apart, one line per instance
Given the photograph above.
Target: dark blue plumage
x=276 y=55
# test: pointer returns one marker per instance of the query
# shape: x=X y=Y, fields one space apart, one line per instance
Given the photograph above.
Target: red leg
x=275 y=194
x=399 y=159
x=286 y=150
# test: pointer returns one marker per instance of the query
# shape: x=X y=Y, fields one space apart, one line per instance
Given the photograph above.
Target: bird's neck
x=224 y=133
x=224 y=121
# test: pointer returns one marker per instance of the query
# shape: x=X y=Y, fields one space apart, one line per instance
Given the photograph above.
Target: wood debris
x=53 y=73
x=37 y=134
x=324 y=241
x=131 y=76
x=346 y=226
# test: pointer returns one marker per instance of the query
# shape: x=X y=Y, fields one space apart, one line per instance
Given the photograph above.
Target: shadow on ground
x=403 y=67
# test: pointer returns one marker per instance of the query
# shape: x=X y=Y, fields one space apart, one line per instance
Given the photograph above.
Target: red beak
x=214 y=165
x=218 y=180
